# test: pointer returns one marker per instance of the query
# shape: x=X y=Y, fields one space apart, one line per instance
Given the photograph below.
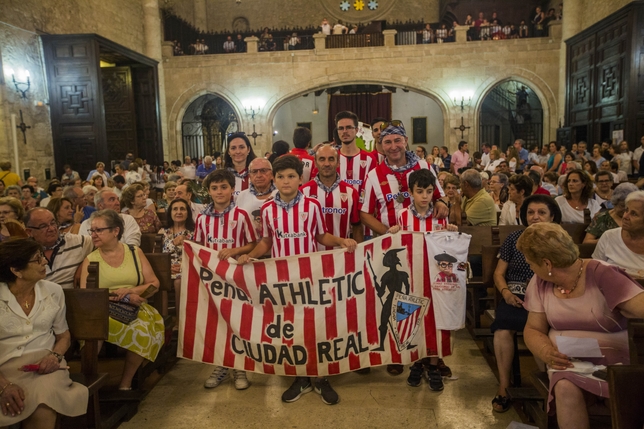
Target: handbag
x=122 y=311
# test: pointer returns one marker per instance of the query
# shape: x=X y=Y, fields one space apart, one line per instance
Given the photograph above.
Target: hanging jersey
x=386 y=192
x=233 y=229
x=293 y=230
x=339 y=207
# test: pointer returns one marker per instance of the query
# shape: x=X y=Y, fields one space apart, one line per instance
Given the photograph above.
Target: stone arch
x=541 y=89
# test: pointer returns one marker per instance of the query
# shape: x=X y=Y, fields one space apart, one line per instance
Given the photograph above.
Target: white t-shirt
x=637 y=155
x=485 y=159
x=570 y=215
x=625 y=163
x=189 y=171
x=611 y=248
x=249 y=202
x=339 y=29
x=509 y=214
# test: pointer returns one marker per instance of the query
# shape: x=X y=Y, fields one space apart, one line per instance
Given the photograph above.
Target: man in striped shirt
x=377 y=153
x=224 y=227
x=64 y=252
x=338 y=199
x=302 y=140
x=355 y=163
x=293 y=224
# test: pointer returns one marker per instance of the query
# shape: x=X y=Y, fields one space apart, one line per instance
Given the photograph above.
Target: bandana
x=255 y=192
x=210 y=210
x=58 y=243
x=324 y=187
x=412 y=160
x=393 y=129
x=412 y=208
x=290 y=204
x=241 y=175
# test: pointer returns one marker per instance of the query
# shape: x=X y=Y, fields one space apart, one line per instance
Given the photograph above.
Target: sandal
x=503 y=402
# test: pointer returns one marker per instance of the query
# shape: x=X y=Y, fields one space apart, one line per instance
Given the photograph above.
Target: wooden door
x=120 y=116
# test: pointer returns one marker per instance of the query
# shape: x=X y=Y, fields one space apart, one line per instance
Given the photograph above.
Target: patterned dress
x=176 y=252
x=149 y=222
x=145 y=335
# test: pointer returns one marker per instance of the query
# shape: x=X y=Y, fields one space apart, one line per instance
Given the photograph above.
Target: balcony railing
x=355 y=40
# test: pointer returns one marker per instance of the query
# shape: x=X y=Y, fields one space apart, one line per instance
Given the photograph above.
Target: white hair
x=207 y=158
x=635 y=196
x=89 y=188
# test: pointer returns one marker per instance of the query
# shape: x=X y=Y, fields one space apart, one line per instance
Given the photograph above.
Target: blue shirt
x=523 y=154
x=202 y=171
x=87 y=211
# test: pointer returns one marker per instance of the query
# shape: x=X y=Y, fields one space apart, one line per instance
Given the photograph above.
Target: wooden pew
x=148 y=242
x=626 y=387
x=87 y=318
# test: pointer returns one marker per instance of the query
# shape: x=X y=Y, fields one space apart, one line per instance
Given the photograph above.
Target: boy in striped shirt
x=224 y=227
x=418 y=217
x=293 y=224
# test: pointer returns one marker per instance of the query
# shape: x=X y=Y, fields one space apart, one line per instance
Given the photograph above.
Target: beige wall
x=432 y=70
x=594 y=11
x=118 y=20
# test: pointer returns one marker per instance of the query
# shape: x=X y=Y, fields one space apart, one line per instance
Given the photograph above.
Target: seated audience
x=624 y=246
x=54 y=190
x=64 y=251
x=577 y=196
x=39 y=193
x=550 y=183
x=574 y=297
x=603 y=189
x=511 y=278
x=13 y=191
x=609 y=219
x=100 y=170
x=134 y=199
x=520 y=188
x=98 y=182
x=76 y=196
x=451 y=187
x=89 y=192
x=130 y=232
x=536 y=175
x=495 y=160
x=181 y=227
x=27 y=197
x=477 y=204
x=605 y=166
x=498 y=184
x=591 y=168
x=11 y=213
x=64 y=215
x=168 y=196
x=125 y=271
x=33 y=334
x=133 y=174
x=183 y=192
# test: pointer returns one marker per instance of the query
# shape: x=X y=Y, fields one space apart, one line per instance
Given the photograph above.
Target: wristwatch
x=58 y=356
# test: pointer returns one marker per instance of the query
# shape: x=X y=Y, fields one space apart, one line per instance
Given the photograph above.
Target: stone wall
x=118 y=20
x=594 y=11
x=432 y=70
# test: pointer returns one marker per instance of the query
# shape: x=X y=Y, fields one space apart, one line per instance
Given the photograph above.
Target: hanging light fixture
x=315 y=105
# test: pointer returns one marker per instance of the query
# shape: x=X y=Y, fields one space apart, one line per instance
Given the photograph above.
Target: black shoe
x=300 y=386
x=415 y=375
x=363 y=371
x=326 y=392
x=435 y=380
x=444 y=369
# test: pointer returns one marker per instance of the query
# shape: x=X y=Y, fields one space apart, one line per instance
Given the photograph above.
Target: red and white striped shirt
x=408 y=221
x=233 y=229
x=241 y=181
x=308 y=163
x=339 y=207
x=382 y=189
x=293 y=230
x=354 y=169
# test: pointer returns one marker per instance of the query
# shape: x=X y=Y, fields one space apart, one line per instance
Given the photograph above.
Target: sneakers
x=444 y=369
x=415 y=375
x=218 y=375
x=326 y=392
x=300 y=386
x=241 y=382
x=435 y=380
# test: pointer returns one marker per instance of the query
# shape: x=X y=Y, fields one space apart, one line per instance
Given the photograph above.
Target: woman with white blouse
x=577 y=196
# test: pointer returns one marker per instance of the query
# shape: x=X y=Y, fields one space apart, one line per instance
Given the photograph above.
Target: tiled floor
x=376 y=400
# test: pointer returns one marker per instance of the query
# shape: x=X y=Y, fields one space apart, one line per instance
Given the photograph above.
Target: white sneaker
x=218 y=375
x=241 y=382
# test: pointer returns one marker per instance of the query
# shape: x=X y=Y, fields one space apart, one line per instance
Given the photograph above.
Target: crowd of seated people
x=86 y=221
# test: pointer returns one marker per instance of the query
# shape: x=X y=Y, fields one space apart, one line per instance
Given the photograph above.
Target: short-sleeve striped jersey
x=409 y=222
x=293 y=230
x=233 y=229
x=339 y=207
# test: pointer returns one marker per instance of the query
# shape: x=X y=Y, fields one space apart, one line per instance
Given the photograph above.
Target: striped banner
x=317 y=314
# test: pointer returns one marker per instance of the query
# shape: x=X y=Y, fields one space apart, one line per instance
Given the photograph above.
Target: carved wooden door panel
x=77 y=123
x=145 y=101
x=120 y=116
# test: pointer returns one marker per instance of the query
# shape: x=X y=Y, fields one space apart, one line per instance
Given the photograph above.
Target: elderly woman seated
x=134 y=198
x=579 y=298
x=126 y=272
x=34 y=336
x=609 y=219
x=11 y=213
x=511 y=278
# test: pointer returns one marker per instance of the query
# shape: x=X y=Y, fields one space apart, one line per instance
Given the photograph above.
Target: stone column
x=461 y=33
x=320 y=41
x=152 y=32
x=251 y=44
x=200 y=15
x=570 y=25
x=167 y=49
x=390 y=38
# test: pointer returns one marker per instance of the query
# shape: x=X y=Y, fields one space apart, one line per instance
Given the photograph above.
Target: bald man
x=260 y=190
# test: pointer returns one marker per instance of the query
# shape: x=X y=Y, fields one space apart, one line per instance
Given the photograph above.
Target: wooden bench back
x=626 y=386
x=636 y=341
x=148 y=242
x=576 y=230
x=481 y=236
x=586 y=250
x=161 y=265
x=490 y=261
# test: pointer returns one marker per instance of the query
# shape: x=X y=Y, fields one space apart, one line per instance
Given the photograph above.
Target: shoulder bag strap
x=136 y=265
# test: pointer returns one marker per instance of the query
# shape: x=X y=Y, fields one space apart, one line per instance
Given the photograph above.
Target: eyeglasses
x=348 y=128
x=260 y=171
x=395 y=123
x=492 y=183
x=445 y=265
x=52 y=224
x=98 y=230
x=38 y=259
x=604 y=181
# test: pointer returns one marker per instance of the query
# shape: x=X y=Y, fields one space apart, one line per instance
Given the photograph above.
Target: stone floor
x=376 y=400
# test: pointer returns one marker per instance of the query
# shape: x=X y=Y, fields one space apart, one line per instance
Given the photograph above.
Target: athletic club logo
x=401 y=313
x=303 y=216
x=344 y=197
x=363 y=164
x=232 y=223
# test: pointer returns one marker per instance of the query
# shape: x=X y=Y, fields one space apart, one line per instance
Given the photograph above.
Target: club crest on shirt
x=344 y=197
x=232 y=223
x=385 y=183
x=303 y=216
x=363 y=164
